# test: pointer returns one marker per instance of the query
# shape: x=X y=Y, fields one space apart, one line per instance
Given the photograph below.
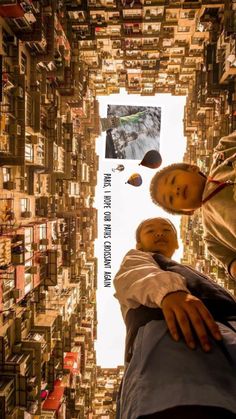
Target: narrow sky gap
x=129 y=206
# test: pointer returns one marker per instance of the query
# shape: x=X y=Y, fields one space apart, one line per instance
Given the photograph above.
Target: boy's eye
x=149 y=231
x=166 y=229
x=173 y=180
x=171 y=200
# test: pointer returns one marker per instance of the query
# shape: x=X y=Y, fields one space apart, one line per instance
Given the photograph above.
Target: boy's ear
x=138 y=246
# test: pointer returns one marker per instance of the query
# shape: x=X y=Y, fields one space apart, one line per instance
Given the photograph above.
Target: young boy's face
x=157 y=235
x=180 y=189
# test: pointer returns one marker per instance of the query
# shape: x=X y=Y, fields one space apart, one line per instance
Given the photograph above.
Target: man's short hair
x=156 y=178
x=140 y=226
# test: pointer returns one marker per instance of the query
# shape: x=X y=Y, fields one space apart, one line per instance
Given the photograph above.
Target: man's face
x=180 y=190
x=157 y=235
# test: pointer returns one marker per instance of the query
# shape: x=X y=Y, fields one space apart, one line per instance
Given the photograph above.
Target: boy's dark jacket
x=218 y=301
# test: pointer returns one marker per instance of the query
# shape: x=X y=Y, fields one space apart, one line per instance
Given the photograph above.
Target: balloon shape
x=152 y=159
x=119 y=168
x=135 y=180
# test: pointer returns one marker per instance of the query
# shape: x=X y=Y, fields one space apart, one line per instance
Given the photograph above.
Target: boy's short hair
x=140 y=226
x=158 y=176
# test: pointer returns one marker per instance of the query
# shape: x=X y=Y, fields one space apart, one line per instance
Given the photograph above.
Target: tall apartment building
x=106 y=392
x=48 y=273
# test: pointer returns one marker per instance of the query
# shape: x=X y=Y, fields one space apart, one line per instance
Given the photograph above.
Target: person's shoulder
x=138 y=253
x=134 y=252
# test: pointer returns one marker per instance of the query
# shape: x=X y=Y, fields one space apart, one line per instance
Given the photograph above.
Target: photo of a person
x=131 y=131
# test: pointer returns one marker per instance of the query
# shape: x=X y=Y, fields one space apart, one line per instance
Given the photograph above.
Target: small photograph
x=131 y=131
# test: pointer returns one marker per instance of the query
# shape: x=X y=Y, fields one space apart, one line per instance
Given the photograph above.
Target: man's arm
x=227 y=145
x=141 y=281
x=225 y=255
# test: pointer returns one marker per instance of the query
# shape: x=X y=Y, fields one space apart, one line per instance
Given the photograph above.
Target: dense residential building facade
x=48 y=275
x=106 y=392
x=56 y=57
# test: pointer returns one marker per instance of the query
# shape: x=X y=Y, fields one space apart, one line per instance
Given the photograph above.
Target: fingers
x=209 y=321
x=178 y=316
x=191 y=317
x=185 y=327
x=202 y=323
x=171 y=324
x=199 y=327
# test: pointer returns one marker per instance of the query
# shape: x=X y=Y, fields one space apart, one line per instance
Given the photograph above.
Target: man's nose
x=159 y=233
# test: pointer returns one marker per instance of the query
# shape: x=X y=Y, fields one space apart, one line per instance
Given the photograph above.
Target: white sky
x=130 y=206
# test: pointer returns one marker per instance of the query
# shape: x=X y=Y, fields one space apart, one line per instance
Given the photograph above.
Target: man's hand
x=189 y=313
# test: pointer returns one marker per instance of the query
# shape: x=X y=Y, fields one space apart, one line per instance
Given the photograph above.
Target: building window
x=183 y=28
x=29 y=152
x=6 y=174
x=28 y=243
x=24 y=204
x=42 y=237
x=42 y=231
x=5 y=42
x=23 y=63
